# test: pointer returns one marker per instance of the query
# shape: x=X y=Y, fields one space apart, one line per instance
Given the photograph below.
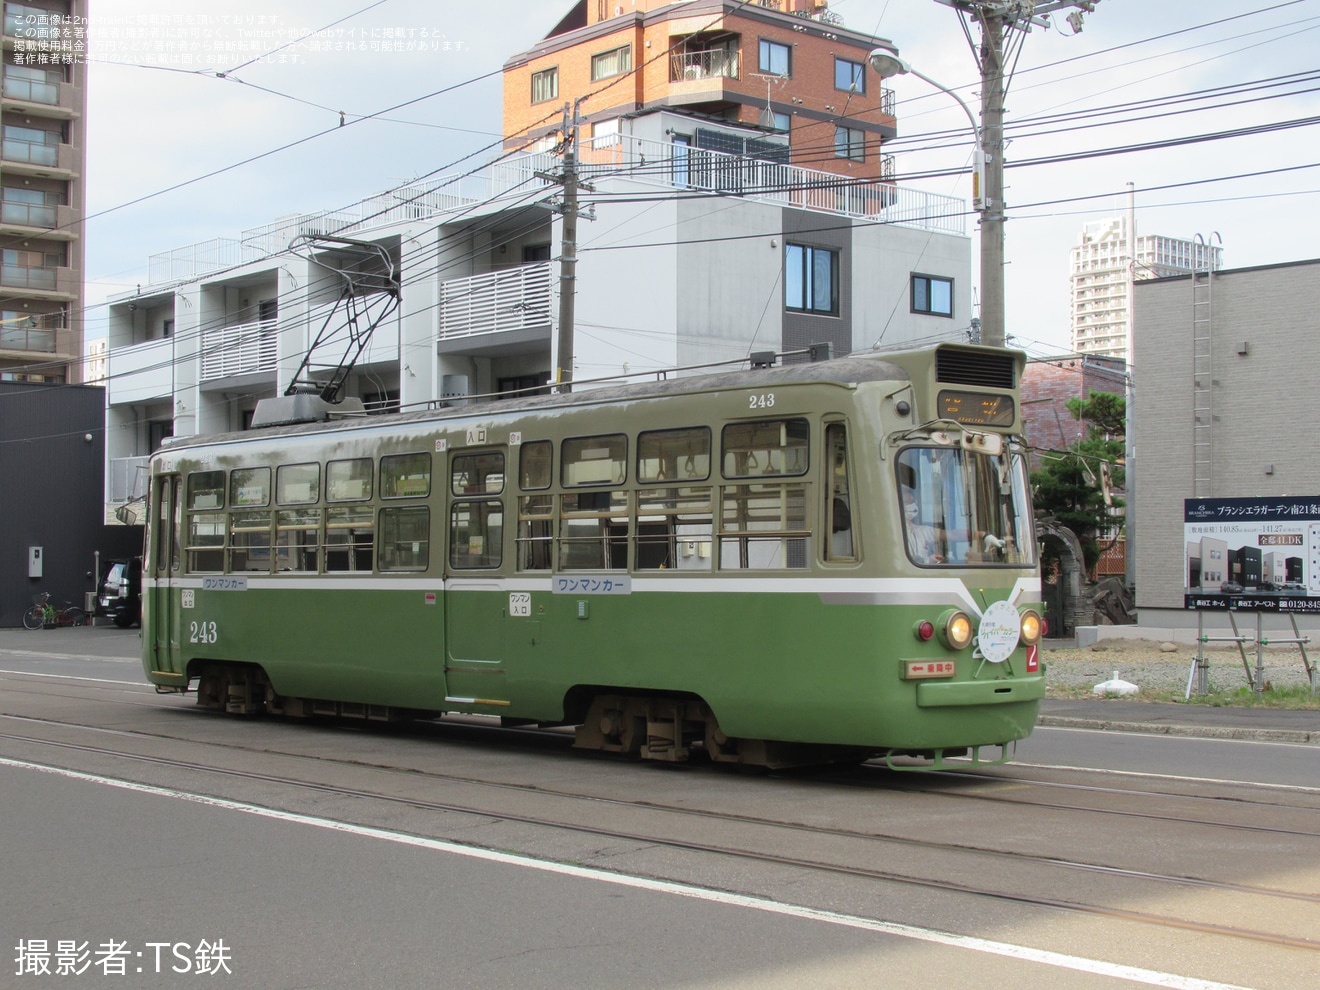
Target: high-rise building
x=42 y=152
x=1103 y=268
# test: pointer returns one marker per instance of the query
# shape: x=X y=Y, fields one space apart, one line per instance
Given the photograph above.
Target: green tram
x=779 y=565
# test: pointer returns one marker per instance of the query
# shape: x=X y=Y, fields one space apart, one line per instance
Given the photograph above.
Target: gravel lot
x=1154 y=666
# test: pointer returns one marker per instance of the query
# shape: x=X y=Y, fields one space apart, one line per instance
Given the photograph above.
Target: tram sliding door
x=163 y=608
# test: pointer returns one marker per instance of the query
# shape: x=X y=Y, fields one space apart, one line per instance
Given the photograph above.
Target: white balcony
x=239 y=350
x=141 y=372
x=512 y=304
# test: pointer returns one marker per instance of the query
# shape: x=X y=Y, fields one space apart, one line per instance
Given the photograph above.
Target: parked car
x=120 y=594
x=1231 y=588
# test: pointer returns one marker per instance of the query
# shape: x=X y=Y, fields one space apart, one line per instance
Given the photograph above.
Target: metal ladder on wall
x=1203 y=277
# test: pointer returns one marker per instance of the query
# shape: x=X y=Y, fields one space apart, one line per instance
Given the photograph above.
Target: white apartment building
x=1103 y=270
x=691 y=257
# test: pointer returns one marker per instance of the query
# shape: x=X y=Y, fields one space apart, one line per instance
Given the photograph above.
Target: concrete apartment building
x=1103 y=269
x=789 y=70
x=1227 y=387
x=695 y=256
x=42 y=153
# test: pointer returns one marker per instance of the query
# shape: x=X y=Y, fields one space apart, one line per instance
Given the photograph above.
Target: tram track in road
x=742 y=853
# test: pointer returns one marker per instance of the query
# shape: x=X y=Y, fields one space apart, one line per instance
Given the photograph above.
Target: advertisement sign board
x=1252 y=554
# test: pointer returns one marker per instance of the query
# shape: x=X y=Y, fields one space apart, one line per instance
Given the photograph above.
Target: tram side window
x=593 y=531
x=838 y=507
x=476 y=534
x=348 y=480
x=249 y=541
x=297 y=533
x=206 y=490
x=249 y=487
x=206 y=530
x=668 y=455
x=764 y=527
x=774 y=447
x=478 y=474
x=349 y=537
x=601 y=460
x=674 y=528
x=536 y=533
x=405 y=538
x=296 y=484
x=534 y=465
x=405 y=475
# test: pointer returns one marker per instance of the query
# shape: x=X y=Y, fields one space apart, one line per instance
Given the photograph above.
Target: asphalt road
x=359 y=879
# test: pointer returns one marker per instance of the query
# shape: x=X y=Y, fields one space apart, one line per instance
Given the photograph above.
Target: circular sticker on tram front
x=998 y=636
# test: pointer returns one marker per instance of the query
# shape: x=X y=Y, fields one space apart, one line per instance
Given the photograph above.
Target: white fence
x=509 y=299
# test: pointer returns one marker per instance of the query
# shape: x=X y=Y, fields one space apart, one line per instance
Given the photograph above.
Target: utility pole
x=1002 y=25
x=568 y=246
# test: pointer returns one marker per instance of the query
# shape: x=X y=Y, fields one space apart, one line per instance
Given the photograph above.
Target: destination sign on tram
x=977 y=408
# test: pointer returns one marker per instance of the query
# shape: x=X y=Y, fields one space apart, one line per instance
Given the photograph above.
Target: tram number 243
x=764 y=400
x=202 y=632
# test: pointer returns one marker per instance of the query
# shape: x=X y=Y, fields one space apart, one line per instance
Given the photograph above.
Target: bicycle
x=44 y=615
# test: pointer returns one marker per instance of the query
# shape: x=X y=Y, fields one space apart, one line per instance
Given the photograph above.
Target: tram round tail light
x=1033 y=627
x=955 y=629
x=925 y=630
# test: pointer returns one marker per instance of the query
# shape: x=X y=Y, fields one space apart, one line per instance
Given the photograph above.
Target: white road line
x=36 y=655
x=1170 y=776
x=1081 y=964
x=71 y=677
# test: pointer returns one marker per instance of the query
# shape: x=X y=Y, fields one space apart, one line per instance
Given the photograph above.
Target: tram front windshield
x=965 y=509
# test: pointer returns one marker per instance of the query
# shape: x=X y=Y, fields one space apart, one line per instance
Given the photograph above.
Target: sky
x=178 y=154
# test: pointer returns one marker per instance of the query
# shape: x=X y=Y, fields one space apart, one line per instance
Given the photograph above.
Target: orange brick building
x=781 y=67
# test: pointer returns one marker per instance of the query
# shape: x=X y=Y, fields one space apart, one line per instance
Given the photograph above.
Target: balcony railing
x=18 y=277
x=660 y=163
x=31 y=91
x=16 y=337
x=716 y=63
x=27 y=215
x=128 y=478
x=30 y=152
x=506 y=300
x=239 y=350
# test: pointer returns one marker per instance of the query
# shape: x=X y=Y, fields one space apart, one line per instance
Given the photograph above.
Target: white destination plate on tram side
x=593 y=584
x=224 y=584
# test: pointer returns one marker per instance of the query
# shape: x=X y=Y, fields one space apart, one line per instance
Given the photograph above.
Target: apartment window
x=932 y=294
x=611 y=63
x=775 y=59
x=545 y=85
x=849 y=142
x=849 y=76
x=781 y=121
x=811 y=279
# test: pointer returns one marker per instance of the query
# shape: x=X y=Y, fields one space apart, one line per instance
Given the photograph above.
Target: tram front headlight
x=956 y=629
x=1033 y=627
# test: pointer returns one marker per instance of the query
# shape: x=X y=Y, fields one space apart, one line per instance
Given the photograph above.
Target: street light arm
x=887 y=64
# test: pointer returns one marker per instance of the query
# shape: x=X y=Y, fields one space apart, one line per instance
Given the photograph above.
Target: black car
x=120 y=594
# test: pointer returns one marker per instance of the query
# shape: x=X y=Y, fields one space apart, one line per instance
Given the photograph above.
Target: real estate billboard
x=1252 y=554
